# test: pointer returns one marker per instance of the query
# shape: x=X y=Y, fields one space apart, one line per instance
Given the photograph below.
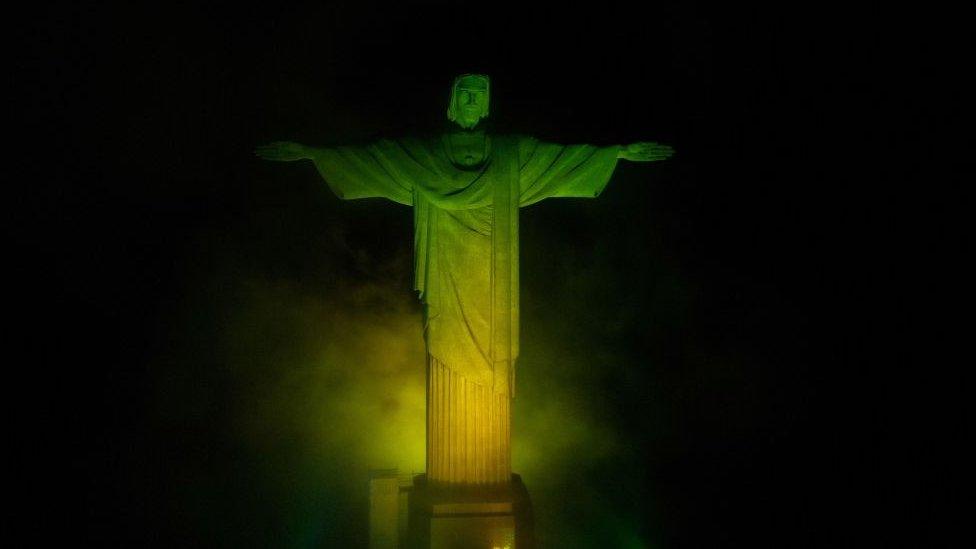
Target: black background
x=778 y=217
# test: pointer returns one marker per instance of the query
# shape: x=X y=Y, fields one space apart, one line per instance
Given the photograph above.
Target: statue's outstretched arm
x=645 y=151
x=351 y=172
x=284 y=151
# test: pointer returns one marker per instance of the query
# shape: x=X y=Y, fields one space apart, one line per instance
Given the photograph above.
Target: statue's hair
x=452 y=110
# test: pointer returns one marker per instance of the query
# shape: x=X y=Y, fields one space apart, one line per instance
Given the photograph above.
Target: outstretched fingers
x=281 y=151
x=660 y=152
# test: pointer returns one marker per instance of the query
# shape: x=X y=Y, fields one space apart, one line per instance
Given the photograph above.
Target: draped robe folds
x=466 y=271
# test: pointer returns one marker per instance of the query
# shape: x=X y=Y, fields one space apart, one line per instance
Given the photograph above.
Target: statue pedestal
x=443 y=517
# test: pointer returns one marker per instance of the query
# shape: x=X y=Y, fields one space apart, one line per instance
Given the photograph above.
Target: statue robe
x=466 y=272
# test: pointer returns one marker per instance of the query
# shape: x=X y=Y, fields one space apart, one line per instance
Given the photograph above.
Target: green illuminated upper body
x=466 y=188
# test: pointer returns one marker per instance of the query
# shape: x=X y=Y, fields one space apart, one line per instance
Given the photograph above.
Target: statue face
x=469 y=100
x=471 y=106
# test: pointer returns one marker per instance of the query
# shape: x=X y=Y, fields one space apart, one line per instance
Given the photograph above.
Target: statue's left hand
x=645 y=151
x=283 y=151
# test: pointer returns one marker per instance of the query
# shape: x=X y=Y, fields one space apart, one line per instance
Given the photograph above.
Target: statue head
x=469 y=100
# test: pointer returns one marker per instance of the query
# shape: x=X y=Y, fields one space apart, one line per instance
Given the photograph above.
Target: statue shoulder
x=525 y=144
x=414 y=144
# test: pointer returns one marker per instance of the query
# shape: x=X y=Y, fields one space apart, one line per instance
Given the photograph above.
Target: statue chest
x=468 y=149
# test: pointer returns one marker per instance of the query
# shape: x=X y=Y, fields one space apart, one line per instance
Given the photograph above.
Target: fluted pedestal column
x=468 y=430
x=469 y=496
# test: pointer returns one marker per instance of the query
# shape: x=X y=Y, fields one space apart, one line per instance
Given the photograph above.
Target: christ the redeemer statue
x=466 y=188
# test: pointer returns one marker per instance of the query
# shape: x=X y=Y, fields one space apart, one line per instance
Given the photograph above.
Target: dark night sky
x=736 y=288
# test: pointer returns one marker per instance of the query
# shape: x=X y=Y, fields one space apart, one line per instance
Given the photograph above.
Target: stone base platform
x=452 y=517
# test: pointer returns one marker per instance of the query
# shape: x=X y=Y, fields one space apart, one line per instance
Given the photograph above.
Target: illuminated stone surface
x=448 y=517
x=474 y=530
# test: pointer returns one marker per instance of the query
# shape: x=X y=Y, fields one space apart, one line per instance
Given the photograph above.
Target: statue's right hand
x=283 y=151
